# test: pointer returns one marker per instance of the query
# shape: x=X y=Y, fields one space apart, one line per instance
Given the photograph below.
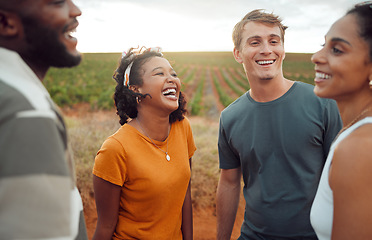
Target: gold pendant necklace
x=166 y=152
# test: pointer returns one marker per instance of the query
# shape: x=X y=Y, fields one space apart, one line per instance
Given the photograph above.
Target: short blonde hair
x=260 y=16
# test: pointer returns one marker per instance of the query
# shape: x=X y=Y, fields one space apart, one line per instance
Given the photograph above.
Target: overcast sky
x=198 y=25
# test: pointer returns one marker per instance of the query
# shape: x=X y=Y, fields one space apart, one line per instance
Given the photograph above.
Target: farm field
x=202 y=73
x=211 y=81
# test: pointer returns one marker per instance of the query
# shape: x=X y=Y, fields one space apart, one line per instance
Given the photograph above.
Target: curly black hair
x=126 y=100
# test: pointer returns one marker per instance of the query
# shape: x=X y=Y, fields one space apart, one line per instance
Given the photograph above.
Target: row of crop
x=199 y=89
x=228 y=84
x=182 y=71
x=224 y=98
x=196 y=100
x=189 y=76
x=229 y=81
x=91 y=82
x=239 y=78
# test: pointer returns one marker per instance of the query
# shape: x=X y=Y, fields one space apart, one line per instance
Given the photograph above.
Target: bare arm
x=351 y=180
x=107 y=197
x=187 y=221
x=228 y=193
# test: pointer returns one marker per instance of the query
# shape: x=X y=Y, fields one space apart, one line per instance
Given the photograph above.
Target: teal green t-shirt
x=281 y=147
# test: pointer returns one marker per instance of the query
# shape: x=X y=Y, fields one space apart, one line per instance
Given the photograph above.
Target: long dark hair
x=126 y=100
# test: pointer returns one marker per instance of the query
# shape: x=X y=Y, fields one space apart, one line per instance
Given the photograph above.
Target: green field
x=91 y=82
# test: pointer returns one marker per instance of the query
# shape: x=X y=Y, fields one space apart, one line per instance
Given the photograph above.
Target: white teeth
x=73 y=33
x=322 y=75
x=265 y=62
x=70 y=34
x=169 y=91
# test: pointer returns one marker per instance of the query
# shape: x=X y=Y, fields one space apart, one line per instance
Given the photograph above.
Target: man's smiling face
x=261 y=51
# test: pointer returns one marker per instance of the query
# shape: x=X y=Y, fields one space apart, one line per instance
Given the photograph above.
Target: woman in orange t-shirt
x=142 y=172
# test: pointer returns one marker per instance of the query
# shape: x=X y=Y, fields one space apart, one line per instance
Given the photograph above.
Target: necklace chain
x=166 y=152
x=356 y=119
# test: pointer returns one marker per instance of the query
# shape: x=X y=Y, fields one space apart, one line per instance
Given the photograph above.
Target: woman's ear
x=133 y=88
x=10 y=24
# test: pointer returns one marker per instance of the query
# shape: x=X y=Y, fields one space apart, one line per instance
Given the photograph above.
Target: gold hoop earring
x=138 y=100
x=370 y=84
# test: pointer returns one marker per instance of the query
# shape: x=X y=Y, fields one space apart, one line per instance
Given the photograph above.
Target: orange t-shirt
x=153 y=189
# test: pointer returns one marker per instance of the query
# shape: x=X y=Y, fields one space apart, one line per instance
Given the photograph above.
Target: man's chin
x=76 y=58
x=66 y=60
x=266 y=78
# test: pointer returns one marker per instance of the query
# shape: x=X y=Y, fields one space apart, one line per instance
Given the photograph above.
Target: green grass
x=205 y=168
x=86 y=135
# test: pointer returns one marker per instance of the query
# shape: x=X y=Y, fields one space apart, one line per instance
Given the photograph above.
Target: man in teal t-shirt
x=277 y=136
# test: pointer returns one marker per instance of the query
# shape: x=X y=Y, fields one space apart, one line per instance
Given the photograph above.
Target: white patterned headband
x=136 y=52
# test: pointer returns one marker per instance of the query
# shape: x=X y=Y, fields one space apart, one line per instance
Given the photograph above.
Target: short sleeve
x=227 y=158
x=110 y=162
x=190 y=138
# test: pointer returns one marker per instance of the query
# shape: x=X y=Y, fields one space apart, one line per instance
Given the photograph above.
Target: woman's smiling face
x=342 y=66
x=160 y=81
